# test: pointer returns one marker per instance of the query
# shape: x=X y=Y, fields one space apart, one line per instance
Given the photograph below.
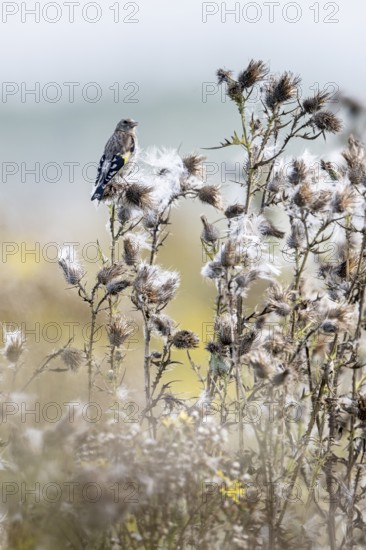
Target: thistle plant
x=269 y=454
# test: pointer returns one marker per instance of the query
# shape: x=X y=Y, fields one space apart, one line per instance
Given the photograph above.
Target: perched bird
x=118 y=152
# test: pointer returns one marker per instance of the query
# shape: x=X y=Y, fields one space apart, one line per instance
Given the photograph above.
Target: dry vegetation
x=270 y=455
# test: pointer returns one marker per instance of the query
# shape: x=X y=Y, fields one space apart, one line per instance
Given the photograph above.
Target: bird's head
x=126 y=125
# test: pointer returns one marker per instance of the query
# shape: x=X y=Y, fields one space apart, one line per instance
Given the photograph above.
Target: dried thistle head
x=13 y=345
x=138 y=195
x=261 y=363
x=224 y=329
x=162 y=324
x=341 y=317
x=210 y=194
x=155 y=285
x=246 y=341
x=112 y=191
x=313 y=104
x=356 y=162
x=210 y=233
x=277 y=344
x=282 y=89
x=106 y=274
x=344 y=199
x=279 y=378
x=320 y=201
x=212 y=270
x=115 y=286
x=131 y=250
x=124 y=214
x=276 y=183
x=299 y=172
x=267 y=229
x=119 y=330
x=326 y=121
x=235 y=91
x=73 y=358
x=72 y=270
x=255 y=72
x=234 y=210
x=279 y=300
x=304 y=196
x=185 y=339
x=194 y=165
x=223 y=76
x=229 y=254
x=245 y=278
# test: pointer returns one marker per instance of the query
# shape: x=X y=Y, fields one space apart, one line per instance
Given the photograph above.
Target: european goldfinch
x=118 y=152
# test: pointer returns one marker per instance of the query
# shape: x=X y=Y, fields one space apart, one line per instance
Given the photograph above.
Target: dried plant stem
x=45 y=364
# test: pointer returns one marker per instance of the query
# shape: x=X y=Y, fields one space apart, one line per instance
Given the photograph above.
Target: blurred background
x=71 y=70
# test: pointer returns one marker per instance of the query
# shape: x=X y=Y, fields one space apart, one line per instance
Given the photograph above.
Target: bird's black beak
x=133 y=124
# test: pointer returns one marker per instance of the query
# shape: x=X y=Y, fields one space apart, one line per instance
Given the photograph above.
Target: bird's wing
x=115 y=165
x=100 y=167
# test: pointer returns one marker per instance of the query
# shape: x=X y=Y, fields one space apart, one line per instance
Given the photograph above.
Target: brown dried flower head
x=115 y=286
x=299 y=172
x=313 y=104
x=344 y=200
x=212 y=270
x=224 y=330
x=279 y=300
x=210 y=194
x=246 y=341
x=210 y=233
x=124 y=214
x=162 y=324
x=326 y=121
x=131 y=250
x=106 y=274
x=138 y=195
x=72 y=270
x=73 y=358
x=229 y=254
x=14 y=345
x=112 y=191
x=234 y=210
x=282 y=89
x=223 y=76
x=267 y=229
x=255 y=72
x=154 y=285
x=356 y=162
x=304 y=196
x=119 y=330
x=194 y=164
x=185 y=339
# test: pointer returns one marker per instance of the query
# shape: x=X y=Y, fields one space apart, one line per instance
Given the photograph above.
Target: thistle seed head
x=185 y=339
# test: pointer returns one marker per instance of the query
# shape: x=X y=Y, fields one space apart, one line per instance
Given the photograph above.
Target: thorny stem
x=45 y=364
x=306 y=441
x=114 y=240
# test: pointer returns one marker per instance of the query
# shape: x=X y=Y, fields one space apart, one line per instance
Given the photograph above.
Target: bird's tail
x=98 y=193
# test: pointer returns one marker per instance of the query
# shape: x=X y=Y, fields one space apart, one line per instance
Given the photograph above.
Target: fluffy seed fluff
x=72 y=270
x=13 y=345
